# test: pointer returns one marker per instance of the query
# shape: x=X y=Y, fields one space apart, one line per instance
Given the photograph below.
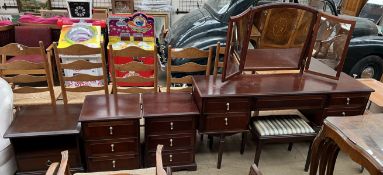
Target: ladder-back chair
x=75 y=88
x=26 y=77
x=135 y=68
x=187 y=68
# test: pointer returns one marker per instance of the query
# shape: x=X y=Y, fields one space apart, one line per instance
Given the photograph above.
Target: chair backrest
x=220 y=51
x=189 y=67
x=64 y=168
x=78 y=53
x=53 y=168
x=31 y=35
x=352 y=7
x=25 y=72
x=254 y=170
x=134 y=66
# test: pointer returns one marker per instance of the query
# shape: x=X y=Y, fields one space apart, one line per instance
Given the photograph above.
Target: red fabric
x=122 y=60
x=31 y=35
x=38 y=19
x=31 y=58
x=5 y=23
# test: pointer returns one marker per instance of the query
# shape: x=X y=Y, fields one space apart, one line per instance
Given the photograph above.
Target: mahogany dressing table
x=111 y=132
x=225 y=106
x=170 y=120
x=39 y=133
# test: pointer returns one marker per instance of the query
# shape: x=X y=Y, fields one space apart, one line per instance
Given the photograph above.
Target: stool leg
x=308 y=159
x=243 y=142
x=220 y=150
x=258 y=153
x=290 y=146
x=211 y=139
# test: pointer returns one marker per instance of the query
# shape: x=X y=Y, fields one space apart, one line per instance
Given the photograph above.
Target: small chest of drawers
x=170 y=120
x=110 y=126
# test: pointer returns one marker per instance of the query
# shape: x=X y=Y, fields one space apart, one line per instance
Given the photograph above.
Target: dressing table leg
x=211 y=139
x=220 y=150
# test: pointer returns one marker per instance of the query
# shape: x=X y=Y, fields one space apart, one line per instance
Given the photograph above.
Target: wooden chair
x=137 y=67
x=76 y=95
x=218 y=53
x=53 y=168
x=20 y=73
x=280 y=129
x=254 y=170
x=190 y=67
x=158 y=170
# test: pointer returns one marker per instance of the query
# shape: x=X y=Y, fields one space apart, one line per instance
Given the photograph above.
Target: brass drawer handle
x=110 y=130
x=112 y=147
x=171 y=142
x=344 y=113
x=226 y=121
x=114 y=164
x=171 y=158
x=227 y=106
x=171 y=126
x=348 y=101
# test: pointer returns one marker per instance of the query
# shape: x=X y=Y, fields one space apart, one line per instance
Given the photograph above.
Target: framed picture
x=160 y=20
x=33 y=6
x=122 y=6
x=80 y=9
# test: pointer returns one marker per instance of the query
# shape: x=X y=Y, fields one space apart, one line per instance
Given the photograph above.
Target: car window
x=219 y=6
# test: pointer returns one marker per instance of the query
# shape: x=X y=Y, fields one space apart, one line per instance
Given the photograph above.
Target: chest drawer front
x=123 y=146
x=227 y=122
x=345 y=100
x=225 y=105
x=125 y=162
x=345 y=112
x=170 y=125
x=291 y=102
x=173 y=158
x=171 y=142
x=38 y=163
x=108 y=130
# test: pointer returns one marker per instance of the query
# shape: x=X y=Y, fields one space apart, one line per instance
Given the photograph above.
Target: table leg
x=324 y=156
x=315 y=154
x=243 y=142
x=333 y=154
x=220 y=150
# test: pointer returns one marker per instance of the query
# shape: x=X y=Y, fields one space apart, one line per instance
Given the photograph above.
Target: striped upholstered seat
x=282 y=125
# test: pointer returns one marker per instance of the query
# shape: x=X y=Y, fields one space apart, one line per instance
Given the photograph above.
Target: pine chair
x=187 y=68
x=220 y=51
x=53 y=168
x=73 y=94
x=25 y=75
x=136 y=67
x=254 y=170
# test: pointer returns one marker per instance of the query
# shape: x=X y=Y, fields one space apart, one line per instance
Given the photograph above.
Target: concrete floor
x=275 y=159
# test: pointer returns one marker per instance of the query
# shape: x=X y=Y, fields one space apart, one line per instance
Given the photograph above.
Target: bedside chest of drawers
x=170 y=120
x=39 y=133
x=110 y=126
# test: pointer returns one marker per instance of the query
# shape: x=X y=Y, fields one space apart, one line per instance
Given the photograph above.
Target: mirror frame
x=252 y=11
x=339 y=68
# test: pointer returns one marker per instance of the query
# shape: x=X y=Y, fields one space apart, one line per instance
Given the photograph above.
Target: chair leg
x=290 y=146
x=201 y=137
x=308 y=159
x=258 y=153
x=361 y=169
x=243 y=142
x=220 y=150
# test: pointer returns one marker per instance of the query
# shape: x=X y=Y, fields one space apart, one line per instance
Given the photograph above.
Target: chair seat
x=146 y=171
x=35 y=98
x=31 y=58
x=79 y=97
x=282 y=125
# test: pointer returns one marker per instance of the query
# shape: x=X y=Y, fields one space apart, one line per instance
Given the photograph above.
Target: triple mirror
x=285 y=36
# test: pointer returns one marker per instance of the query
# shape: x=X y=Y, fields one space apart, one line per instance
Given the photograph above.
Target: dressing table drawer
x=120 y=146
x=345 y=112
x=173 y=158
x=225 y=105
x=108 y=130
x=348 y=100
x=171 y=142
x=122 y=162
x=291 y=102
x=170 y=125
x=227 y=122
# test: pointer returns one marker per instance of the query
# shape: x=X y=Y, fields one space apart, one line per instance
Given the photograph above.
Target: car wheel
x=368 y=67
